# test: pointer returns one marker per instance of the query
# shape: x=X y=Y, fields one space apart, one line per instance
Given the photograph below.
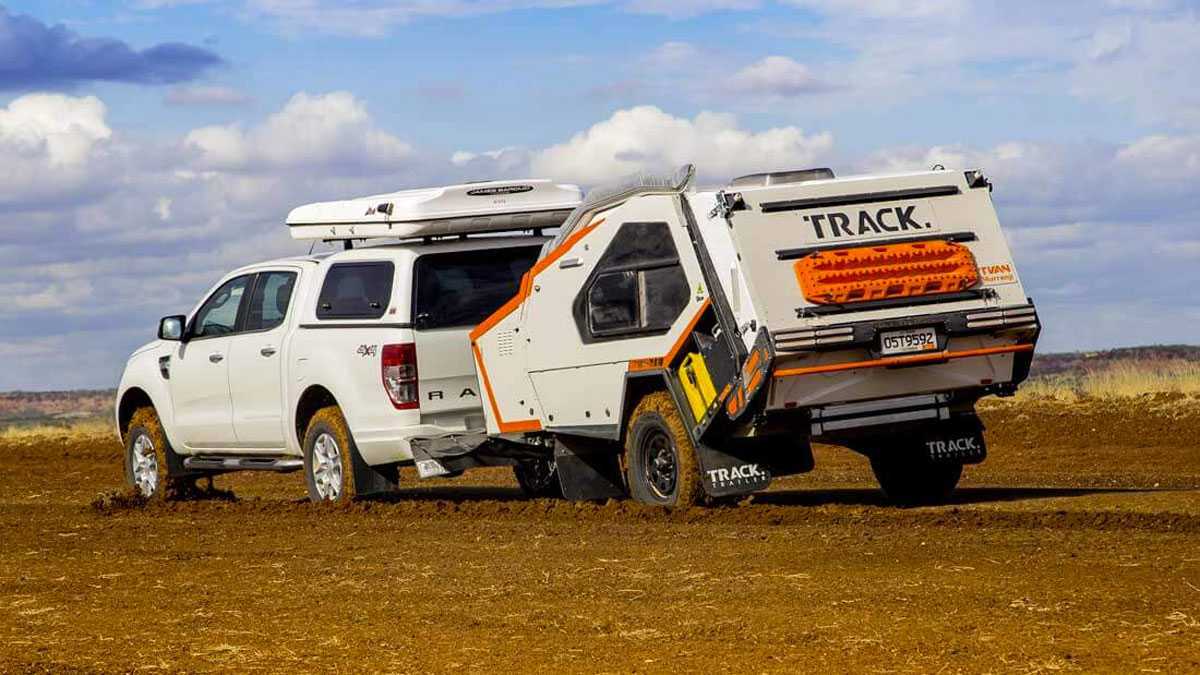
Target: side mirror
x=170 y=328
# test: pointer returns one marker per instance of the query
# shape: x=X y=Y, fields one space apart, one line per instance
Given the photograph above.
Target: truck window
x=356 y=291
x=218 y=316
x=453 y=290
x=637 y=288
x=269 y=301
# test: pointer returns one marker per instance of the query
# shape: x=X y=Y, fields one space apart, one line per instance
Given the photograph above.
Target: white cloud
x=647 y=139
x=777 y=76
x=63 y=129
x=53 y=146
x=330 y=131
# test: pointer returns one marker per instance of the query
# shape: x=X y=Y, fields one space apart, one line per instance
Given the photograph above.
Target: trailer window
x=638 y=287
x=356 y=291
x=455 y=290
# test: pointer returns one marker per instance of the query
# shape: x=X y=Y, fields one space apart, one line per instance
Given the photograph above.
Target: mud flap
x=748 y=466
x=588 y=470
x=373 y=480
x=959 y=441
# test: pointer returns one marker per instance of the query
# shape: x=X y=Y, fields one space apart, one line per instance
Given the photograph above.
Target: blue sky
x=148 y=146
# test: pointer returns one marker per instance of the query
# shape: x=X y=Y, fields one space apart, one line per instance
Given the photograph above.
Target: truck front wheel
x=149 y=458
x=661 y=467
x=328 y=462
x=911 y=480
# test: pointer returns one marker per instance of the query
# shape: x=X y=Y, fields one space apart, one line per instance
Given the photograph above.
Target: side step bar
x=276 y=464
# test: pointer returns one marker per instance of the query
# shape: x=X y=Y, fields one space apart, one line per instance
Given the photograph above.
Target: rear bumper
x=865 y=334
x=984 y=351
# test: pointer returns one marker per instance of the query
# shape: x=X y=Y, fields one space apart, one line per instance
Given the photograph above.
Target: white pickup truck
x=335 y=364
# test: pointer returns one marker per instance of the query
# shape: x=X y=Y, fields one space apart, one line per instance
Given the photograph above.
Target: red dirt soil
x=1076 y=547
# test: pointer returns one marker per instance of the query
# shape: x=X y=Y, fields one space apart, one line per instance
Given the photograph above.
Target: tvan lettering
x=838 y=225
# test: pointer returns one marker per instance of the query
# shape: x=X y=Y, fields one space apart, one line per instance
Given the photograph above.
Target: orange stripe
x=562 y=249
x=913 y=359
x=652 y=363
x=687 y=333
x=527 y=282
x=496 y=317
x=505 y=427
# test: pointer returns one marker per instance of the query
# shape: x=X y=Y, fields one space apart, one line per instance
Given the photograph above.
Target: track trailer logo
x=867 y=222
x=737 y=475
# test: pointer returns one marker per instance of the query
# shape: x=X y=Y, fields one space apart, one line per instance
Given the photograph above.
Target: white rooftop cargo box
x=492 y=206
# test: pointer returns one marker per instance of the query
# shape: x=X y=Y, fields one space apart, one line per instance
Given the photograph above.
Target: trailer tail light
x=399 y=365
x=886 y=271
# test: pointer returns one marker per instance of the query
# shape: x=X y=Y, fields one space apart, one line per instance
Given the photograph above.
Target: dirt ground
x=1076 y=547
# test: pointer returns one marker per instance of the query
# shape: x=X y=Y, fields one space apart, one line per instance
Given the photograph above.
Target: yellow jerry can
x=697 y=385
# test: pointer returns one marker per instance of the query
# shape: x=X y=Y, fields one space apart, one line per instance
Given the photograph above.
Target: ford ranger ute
x=676 y=345
x=337 y=365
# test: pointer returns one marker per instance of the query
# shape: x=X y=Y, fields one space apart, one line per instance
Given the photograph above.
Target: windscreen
x=461 y=289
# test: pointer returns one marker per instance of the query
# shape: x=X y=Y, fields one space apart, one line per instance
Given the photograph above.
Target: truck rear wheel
x=661 y=467
x=911 y=480
x=538 y=478
x=149 y=458
x=328 y=462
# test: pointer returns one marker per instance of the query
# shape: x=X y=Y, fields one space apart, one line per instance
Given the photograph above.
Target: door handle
x=568 y=263
x=216 y=358
x=267 y=351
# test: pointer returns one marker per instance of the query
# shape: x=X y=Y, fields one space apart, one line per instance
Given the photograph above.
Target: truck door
x=452 y=293
x=256 y=363
x=200 y=370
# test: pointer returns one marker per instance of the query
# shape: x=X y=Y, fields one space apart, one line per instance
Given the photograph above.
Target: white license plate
x=908 y=341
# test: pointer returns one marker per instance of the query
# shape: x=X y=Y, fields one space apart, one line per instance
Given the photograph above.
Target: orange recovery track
x=886 y=271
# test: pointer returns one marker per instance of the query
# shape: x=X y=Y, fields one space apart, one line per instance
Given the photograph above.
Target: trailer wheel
x=538 y=478
x=911 y=480
x=660 y=462
x=149 y=456
x=328 y=462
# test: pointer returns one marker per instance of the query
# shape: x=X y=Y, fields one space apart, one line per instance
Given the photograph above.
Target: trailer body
x=869 y=311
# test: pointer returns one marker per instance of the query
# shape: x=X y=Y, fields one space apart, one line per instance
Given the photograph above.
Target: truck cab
x=335 y=364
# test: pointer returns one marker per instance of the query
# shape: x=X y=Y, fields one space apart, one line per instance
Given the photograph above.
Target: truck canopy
x=471 y=208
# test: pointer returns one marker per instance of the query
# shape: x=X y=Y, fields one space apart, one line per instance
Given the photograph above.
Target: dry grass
x=75 y=427
x=1120 y=380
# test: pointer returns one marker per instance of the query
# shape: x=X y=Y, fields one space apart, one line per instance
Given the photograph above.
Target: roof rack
x=471 y=208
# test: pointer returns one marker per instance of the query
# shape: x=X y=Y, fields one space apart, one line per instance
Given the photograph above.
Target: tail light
x=886 y=271
x=399 y=365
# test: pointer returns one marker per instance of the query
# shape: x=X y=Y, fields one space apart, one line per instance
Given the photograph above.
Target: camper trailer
x=677 y=345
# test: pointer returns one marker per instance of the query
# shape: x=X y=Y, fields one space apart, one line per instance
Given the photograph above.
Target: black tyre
x=149 y=459
x=328 y=458
x=538 y=478
x=661 y=467
x=910 y=479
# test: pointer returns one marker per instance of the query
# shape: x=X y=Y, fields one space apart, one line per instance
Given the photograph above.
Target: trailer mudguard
x=588 y=469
